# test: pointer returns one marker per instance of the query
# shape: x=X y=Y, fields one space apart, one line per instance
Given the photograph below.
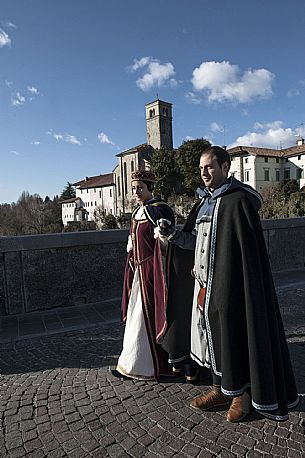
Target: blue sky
x=75 y=76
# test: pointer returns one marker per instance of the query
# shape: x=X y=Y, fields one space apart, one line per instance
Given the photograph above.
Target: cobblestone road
x=58 y=398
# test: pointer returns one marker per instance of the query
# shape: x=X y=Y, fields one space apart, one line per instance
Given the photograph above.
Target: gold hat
x=143 y=175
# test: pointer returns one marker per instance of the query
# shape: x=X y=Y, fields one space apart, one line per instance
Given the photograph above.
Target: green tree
x=163 y=164
x=110 y=222
x=68 y=192
x=187 y=160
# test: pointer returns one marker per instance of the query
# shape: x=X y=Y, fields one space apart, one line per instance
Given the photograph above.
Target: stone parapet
x=285 y=240
x=40 y=272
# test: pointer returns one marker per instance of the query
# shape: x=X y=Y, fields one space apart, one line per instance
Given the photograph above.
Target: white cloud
x=293 y=93
x=15 y=153
x=140 y=63
x=188 y=137
x=103 y=138
x=64 y=137
x=274 y=125
x=270 y=135
x=4 y=39
x=215 y=127
x=190 y=97
x=17 y=99
x=223 y=82
x=9 y=25
x=155 y=73
x=35 y=142
x=32 y=90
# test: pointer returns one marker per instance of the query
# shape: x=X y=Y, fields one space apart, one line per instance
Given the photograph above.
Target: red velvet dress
x=144 y=296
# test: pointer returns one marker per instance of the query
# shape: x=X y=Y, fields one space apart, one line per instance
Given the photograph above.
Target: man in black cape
x=236 y=309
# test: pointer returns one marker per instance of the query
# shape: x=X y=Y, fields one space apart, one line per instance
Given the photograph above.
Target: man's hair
x=221 y=154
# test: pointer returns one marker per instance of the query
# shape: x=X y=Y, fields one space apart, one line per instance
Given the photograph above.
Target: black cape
x=177 y=340
x=246 y=338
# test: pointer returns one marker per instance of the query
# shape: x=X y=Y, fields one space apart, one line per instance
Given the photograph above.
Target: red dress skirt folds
x=144 y=302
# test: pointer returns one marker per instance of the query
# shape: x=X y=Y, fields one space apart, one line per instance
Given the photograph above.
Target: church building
x=111 y=193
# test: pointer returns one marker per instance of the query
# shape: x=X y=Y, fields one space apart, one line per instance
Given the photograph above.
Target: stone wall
x=285 y=240
x=58 y=270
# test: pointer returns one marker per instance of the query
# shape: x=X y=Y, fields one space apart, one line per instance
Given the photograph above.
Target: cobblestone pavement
x=58 y=398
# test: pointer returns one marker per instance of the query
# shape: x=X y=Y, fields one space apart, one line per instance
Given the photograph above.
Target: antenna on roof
x=157 y=96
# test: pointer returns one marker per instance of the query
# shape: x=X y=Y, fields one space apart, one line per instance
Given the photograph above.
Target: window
x=165 y=112
x=266 y=159
x=247 y=175
x=132 y=166
x=110 y=210
x=266 y=174
x=95 y=203
x=286 y=159
x=119 y=187
x=151 y=113
x=299 y=174
x=110 y=192
x=100 y=194
x=91 y=204
x=277 y=160
x=125 y=177
x=287 y=174
x=299 y=157
x=246 y=160
x=87 y=190
x=277 y=175
x=94 y=190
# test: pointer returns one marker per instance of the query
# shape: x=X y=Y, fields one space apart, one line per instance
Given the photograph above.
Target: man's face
x=211 y=173
x=140 y=191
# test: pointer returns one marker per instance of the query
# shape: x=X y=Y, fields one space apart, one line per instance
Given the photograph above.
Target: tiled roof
x=255 y=151
x=135 y=149
x=69 y=201
x=97 y=181
x=267 y=152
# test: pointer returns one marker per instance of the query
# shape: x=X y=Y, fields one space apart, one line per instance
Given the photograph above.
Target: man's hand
x=165 y=227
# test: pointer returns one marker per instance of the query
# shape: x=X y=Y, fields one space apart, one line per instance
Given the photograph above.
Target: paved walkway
x=58 y=397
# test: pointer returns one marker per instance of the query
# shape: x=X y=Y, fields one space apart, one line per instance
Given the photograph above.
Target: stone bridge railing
x=56 y=270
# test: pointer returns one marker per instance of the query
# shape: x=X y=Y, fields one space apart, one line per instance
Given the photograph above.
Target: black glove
x=165 y=227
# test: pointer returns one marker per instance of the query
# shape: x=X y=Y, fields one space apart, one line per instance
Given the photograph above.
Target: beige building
x=159 y=133
x=260 y=167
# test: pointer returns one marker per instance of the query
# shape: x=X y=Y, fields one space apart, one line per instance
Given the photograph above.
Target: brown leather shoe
x=240 y=408
x=213 y=398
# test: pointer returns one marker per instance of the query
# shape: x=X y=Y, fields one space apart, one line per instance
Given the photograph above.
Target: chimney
x=300 y=142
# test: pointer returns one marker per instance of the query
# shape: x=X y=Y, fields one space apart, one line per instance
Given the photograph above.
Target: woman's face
x=140 y=191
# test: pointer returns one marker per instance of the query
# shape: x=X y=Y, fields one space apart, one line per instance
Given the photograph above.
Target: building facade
x=111 y=193
x=95 y=197
x=261 y=167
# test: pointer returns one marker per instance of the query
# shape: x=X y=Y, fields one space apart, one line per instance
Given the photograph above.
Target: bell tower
x=159 y=124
